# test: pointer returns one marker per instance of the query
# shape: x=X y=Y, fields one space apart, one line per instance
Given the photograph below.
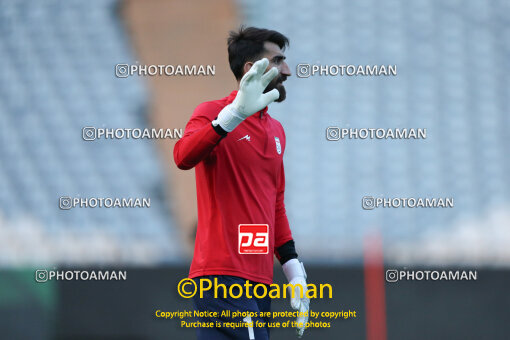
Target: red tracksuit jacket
x=240 y=180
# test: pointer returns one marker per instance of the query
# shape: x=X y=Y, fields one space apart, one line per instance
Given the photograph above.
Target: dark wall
x=125 y=309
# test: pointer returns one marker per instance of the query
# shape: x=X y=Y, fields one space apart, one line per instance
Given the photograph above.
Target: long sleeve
x=282 y=229
x=198 y=141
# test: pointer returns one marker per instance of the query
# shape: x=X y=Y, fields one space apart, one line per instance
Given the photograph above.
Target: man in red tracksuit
x=237 y=149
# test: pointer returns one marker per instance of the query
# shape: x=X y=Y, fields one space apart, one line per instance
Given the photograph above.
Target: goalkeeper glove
x=295 y=273
x=250 y=97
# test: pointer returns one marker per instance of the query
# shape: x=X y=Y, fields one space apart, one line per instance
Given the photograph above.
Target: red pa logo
x=253 y=239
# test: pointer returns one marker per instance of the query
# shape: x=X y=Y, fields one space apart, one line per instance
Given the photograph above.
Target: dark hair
x=247 y=44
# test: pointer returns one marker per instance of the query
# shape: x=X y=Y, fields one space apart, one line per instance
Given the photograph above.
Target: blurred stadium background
x=453 y=60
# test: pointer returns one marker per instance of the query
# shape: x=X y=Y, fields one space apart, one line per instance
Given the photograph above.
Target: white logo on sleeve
x=278 y=145
x=247 y=137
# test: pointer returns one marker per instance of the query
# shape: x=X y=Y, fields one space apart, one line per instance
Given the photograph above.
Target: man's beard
x=277 y=83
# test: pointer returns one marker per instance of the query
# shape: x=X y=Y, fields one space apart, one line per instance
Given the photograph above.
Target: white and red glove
x=250 y=97
x=295 y=273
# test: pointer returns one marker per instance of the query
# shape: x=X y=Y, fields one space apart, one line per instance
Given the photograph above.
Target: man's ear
x=247 y=66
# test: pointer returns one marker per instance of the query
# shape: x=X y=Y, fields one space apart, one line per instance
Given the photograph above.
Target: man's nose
x=285 y=70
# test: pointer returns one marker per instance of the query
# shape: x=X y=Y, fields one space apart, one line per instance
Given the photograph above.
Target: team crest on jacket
x=278 y=145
